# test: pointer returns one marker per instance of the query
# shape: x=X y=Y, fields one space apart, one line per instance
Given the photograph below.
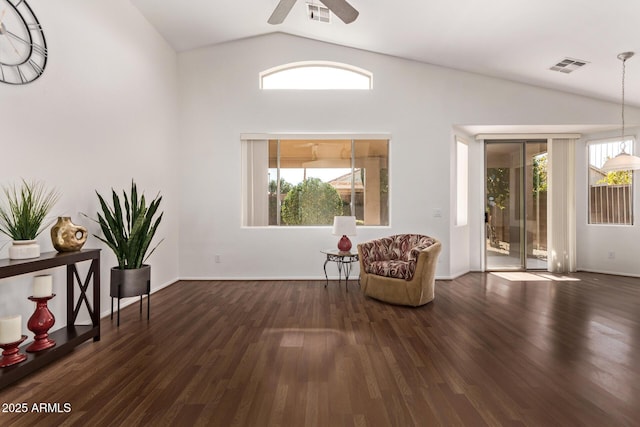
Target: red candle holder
x=39 y=323
x=11 y=353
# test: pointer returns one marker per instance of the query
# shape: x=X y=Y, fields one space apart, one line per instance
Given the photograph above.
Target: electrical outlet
x=437 y=213
x=612 y=255
x=217 y=259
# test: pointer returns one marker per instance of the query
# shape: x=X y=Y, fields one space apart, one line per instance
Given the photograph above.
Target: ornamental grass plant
x=25 y=208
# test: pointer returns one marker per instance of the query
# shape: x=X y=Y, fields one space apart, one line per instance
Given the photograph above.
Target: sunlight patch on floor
x=522 y=276
x=559 y=278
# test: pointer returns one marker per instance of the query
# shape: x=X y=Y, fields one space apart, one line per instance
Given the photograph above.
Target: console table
x=69 y=336
x=344 y=260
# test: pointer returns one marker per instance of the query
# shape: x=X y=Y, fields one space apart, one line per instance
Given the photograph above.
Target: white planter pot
x=24 y=249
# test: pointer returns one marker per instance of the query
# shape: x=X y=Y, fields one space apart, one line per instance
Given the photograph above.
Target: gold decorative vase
x=66 y=236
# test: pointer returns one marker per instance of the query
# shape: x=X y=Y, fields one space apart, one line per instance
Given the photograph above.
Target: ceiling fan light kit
x=341 y=8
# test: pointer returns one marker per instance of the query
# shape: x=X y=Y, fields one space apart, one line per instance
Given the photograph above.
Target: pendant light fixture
x=622 y=161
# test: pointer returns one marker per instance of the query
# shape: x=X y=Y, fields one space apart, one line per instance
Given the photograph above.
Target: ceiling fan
x=340 y=8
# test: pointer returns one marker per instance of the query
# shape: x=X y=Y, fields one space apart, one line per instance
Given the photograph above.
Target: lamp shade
x=344 y=225
x=621 y=162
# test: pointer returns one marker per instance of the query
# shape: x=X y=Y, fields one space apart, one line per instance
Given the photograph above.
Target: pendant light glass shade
x=622 y=161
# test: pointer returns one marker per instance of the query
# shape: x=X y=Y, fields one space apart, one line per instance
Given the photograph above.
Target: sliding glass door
x=516 y=205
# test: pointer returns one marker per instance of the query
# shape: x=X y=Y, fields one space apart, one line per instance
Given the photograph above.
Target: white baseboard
x=613 y=273
x=453 y=276
x=232 y=279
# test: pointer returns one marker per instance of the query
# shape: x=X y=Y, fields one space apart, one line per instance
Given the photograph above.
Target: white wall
x=417 y=103
x=595 y=242
x=103 y=112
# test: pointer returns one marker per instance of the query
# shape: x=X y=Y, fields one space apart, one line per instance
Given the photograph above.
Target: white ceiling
x=513 y=39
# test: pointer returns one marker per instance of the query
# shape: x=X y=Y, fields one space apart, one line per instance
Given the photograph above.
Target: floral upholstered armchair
x=399 y=269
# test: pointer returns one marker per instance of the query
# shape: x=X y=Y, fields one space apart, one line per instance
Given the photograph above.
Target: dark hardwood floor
x=488 y=351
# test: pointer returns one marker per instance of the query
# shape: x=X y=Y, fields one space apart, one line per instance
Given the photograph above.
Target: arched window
x=316 y=75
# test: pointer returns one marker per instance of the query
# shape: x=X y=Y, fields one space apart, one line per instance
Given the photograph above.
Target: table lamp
x=344 y=226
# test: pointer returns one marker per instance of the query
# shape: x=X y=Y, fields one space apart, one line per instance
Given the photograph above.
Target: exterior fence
x=611 y=204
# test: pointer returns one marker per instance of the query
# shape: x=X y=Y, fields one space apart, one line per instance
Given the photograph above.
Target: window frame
x=462 y=182
x=629 y=142
x=315 y=64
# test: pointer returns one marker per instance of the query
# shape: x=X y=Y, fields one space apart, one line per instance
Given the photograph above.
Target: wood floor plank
x=487 y=351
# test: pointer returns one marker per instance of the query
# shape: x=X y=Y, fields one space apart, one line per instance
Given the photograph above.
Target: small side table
x=344 y=260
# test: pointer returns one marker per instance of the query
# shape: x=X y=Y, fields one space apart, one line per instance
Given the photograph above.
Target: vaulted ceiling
x=517 y=40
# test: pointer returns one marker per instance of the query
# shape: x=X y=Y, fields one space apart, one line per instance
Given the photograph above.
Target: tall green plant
x=129 y=229
x=25 y=209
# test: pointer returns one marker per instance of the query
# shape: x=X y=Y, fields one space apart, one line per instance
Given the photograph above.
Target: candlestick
x=42 y=286
x=11 y=353
x=39 y=323
x=10 y=329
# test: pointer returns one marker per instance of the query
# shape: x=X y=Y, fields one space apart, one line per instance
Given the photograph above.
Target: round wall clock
x=23 y=49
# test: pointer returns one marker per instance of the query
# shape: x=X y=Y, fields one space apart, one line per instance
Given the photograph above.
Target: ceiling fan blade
x=342 y=10
x=281 y=11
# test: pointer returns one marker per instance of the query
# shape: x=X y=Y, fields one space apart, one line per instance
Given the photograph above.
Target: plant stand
x=131 y=283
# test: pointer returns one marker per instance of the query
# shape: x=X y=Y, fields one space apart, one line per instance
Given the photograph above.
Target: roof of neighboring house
x=343 y=182
x=597 y=170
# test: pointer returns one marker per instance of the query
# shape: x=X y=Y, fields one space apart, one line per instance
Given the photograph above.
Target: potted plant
x=128 y=231
x=23 y=214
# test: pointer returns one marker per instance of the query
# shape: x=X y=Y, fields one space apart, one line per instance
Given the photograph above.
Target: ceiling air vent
x=318 y=12
x=568 y=65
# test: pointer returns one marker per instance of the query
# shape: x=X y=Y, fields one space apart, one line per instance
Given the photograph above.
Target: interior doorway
x=516 y=205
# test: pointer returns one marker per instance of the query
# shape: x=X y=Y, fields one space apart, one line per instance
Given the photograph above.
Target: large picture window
x=306 y=182
x=610 y=193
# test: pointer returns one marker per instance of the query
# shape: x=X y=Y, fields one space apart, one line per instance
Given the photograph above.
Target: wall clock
x=23 y=49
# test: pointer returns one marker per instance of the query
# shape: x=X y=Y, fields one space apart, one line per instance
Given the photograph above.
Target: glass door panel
x=516 y=205
x=536 y=205
x=504 y=206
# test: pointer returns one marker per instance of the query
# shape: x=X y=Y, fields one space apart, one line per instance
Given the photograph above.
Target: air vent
x=568 y=65
x=318 y=12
